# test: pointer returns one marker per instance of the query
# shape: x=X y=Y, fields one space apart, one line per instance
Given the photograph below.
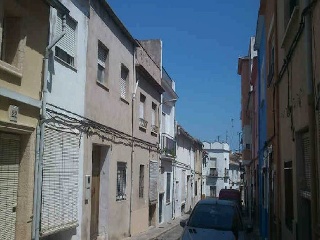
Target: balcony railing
x=143 y=123
x=154 y=129
x=213 y=174
x=226 y=173
x=168 y=147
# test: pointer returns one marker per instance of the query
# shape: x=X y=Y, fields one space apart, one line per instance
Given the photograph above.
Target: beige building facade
x=21 y=64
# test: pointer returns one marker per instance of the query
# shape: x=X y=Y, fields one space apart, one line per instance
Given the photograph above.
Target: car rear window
x=214 y=216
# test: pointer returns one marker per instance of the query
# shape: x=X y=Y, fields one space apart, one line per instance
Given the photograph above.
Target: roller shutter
x=153 y=175
x=9 y=174
x=59 y=209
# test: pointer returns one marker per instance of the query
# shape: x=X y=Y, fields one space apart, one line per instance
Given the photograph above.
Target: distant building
x=215 y=168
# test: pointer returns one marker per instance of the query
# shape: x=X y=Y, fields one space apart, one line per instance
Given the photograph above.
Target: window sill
x=102 y=85
x=65 y=64
x=124 y=100
x=142 y=129
x=12 y=70
x=121 y=200
x=292 y=24
x=168 y=203
x=154 y=134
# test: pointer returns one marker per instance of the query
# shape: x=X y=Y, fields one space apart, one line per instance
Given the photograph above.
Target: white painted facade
x=167 y=141
x=215 y=170
x=184 y=172
x=66 y=90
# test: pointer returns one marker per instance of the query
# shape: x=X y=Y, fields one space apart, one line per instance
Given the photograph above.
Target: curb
x=165 y=231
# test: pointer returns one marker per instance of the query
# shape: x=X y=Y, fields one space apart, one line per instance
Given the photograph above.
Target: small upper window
x=10 y=41
x=66 y=47
x=102 y=63
x=124 y=81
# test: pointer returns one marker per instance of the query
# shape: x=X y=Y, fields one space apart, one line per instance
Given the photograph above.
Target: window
x=163 y=122
x=11 y=40
x=121 y=180
x=248 y=146
x=142 y=106
x=213 y=172
x=66 y=48
x=214 y=161
x=271 y=63
x=154 y=114
x=141 y=181
x=213 y=190
x=124 y=81
x=102 y=63
x=168 y=197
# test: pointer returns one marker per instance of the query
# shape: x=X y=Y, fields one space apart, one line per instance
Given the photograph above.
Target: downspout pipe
x=311 y=118
x=132 y=134
x=40 y=147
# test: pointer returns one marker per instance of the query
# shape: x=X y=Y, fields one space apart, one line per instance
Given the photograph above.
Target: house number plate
x=13 y=113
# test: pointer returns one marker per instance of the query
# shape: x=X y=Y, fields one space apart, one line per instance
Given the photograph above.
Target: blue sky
x=202 y=41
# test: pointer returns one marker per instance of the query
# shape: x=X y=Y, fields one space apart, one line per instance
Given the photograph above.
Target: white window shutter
x=141 y=110
x=102 y=56
x=59 y=208
x=68 y=41
x=153 y=117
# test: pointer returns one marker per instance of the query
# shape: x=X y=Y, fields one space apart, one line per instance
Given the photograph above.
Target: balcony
x=168 y=146
x=143 y=123
x=213 y=173
x=154 y=129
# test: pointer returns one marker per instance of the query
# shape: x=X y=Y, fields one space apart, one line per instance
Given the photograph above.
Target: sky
x=202 y=41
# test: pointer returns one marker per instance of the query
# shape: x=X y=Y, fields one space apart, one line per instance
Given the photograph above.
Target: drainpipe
x=40 y=143
x=311 y=118
x=132 y=135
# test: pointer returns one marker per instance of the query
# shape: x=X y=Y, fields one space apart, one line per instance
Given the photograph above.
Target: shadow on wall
x=62 y=235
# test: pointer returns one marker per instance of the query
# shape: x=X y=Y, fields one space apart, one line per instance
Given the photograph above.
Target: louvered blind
x=60 y=181
x=68 y=41
x=9 y=173
x=123 y=81
x=102 y=55
x=153 y=175
x=306 y=160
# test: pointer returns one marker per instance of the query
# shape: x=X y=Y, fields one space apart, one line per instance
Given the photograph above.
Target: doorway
x=152 y=214
x=95 y=191
x=161 y=195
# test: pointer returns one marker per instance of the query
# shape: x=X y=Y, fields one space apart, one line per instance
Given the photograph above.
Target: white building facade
x=62 y=175
x=215 y=169
x=168 y=149
x=184 y=169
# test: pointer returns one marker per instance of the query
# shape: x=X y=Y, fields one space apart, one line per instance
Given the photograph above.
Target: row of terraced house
x=89 y=144
x=281 y=120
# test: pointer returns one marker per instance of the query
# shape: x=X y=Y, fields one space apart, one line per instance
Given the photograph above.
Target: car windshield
x=215 y=216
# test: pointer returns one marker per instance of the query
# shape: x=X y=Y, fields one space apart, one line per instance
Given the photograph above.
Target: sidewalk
x=154 y=232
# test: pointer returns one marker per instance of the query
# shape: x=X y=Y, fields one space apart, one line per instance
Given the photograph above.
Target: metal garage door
x=153 y=178
x=9 y=173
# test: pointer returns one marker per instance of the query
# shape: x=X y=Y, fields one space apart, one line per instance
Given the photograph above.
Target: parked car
x=214 y=219
x=231 y=194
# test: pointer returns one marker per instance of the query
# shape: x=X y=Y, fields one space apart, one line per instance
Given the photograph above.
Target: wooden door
x=95 y=190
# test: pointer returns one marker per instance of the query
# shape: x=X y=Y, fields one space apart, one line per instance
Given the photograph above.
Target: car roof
x=216 y=201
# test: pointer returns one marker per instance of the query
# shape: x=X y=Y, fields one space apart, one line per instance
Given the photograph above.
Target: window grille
x=121 y=181
x=168 y=196
x=141 y=181
x=66 y=47
x=124 y=81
